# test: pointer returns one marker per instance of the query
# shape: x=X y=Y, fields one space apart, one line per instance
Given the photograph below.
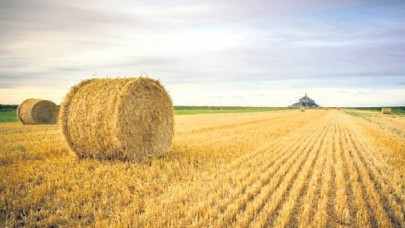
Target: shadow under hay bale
x=128 y=119
x=37 y=111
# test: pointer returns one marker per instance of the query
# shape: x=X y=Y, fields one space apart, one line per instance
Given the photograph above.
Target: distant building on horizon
x=306 y=102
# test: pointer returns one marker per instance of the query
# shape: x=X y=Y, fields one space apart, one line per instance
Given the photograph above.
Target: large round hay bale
x=386 y=110
x=128 y=119
x=37 y=111
x=302 y=109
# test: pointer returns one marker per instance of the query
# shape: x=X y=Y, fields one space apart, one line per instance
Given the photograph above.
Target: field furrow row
x=318 y=168
x=233 y=172
x=378 y=197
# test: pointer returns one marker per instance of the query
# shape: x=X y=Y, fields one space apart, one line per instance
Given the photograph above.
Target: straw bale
x=128 y=119
x=386 y=110
x=37 y=111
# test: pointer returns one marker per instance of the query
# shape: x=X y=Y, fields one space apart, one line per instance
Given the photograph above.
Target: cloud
x=324 y=44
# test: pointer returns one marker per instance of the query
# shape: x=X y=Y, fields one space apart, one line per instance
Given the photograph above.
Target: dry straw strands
x=302 y=109
x=37 y=111
x=386 y=110
x=128 y=119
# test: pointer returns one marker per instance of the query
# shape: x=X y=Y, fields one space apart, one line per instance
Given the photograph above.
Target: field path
x=322 y=174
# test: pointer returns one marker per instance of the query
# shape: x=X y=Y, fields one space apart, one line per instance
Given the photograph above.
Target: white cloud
x=225 y=50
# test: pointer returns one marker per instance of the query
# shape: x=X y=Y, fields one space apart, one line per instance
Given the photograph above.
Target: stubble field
x=280 y=168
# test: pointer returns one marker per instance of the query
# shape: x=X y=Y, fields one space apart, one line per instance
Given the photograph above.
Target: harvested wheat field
x=267 y=169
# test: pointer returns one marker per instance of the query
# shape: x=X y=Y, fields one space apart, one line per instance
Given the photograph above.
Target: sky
x=213 y=52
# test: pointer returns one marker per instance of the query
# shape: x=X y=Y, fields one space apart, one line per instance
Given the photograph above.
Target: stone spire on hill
x=305 y=101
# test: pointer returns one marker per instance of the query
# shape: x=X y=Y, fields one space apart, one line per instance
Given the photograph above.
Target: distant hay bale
x=338 y=108
x=302 y=109
x=386 y=110
x=129 y=119
x=37 y=111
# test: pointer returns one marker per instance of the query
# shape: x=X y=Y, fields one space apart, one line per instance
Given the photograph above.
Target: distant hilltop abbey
x=305 y=101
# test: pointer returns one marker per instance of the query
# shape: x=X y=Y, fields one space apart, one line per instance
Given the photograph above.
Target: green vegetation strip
x=8 y=116
x=399 y=110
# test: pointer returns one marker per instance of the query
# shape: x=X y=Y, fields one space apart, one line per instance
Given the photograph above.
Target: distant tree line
x=7 y=108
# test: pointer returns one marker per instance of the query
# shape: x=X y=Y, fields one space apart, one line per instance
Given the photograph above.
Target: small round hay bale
x=128 y=119
x=37 y=111
x=386 y=110
x=338 y=108
x=302 y=109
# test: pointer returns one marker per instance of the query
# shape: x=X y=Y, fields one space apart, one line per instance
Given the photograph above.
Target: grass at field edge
x=10 y=116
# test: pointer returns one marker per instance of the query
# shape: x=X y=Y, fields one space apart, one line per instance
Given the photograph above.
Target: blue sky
x=248 y=53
